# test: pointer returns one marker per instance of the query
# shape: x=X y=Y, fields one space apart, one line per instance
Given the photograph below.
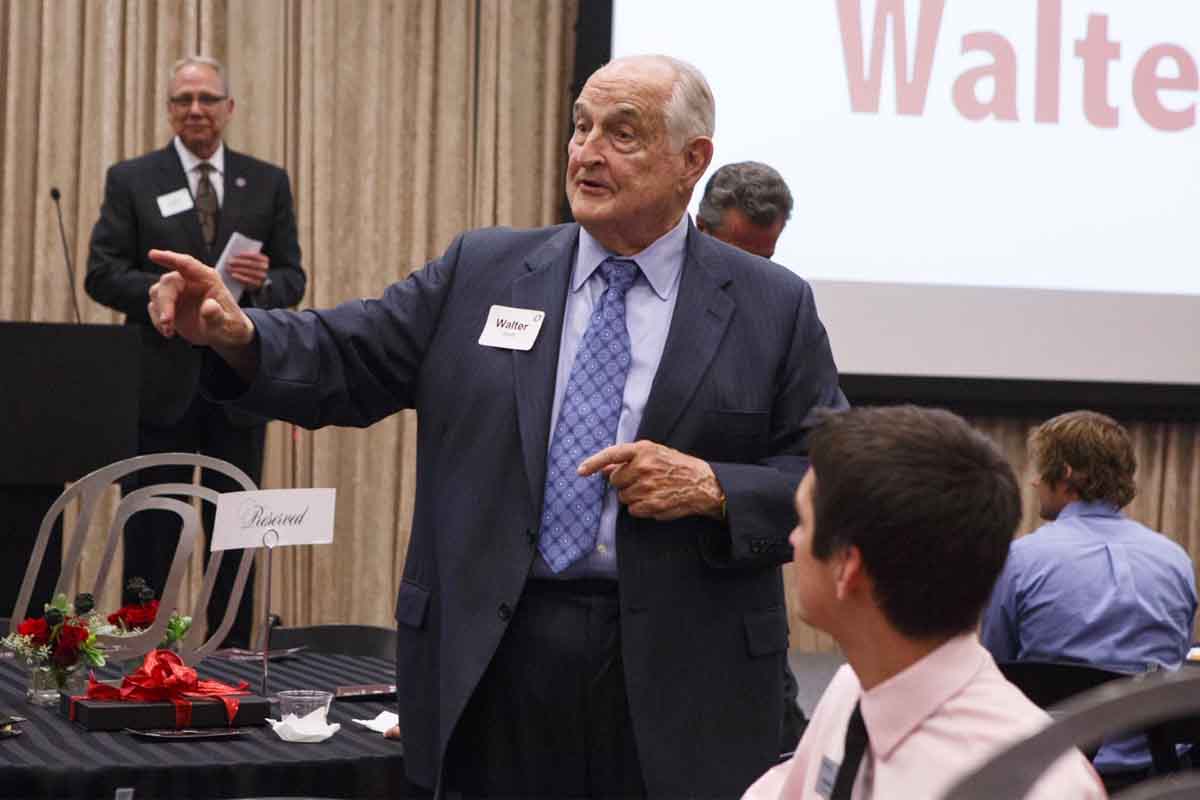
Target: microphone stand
x=62 y=232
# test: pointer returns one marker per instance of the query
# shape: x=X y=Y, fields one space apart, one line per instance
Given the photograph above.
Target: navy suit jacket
x=703 y=623
x=257 y=203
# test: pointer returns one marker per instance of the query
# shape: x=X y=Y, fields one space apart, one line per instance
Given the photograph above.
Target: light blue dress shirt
x=1096 y=587
x=649 y=307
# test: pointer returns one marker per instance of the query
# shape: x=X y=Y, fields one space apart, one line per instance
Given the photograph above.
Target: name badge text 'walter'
x=511 y=328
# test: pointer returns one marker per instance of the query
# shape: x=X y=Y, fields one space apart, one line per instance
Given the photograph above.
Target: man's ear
x=849 y=573
x=697 y=155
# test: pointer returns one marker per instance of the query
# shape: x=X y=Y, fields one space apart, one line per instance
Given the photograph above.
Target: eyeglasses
x=183 y=102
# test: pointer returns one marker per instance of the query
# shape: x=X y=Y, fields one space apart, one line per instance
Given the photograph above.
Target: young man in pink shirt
x=905 y=518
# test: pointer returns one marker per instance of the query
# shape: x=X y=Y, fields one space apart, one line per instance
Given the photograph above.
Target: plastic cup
x=302 y=702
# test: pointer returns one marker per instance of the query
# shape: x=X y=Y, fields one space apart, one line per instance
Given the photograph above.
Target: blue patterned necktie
x=587 y=423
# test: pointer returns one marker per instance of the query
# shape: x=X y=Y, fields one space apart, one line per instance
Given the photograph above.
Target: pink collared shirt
x=929 y=725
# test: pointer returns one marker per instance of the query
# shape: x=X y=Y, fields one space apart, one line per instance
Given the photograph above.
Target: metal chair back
x=90 y=491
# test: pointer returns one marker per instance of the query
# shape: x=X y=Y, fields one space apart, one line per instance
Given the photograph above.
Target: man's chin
x=587 y=211
x=198 y=144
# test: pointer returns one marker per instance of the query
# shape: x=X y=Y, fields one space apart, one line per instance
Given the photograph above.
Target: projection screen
x=982 y=189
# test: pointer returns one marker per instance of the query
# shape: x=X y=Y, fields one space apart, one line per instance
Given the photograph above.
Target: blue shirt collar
x=661 y=262
x=1089 y=508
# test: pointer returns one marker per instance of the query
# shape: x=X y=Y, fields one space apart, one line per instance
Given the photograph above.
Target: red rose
x=66 y=650
x=36 y=628
x=135 y=616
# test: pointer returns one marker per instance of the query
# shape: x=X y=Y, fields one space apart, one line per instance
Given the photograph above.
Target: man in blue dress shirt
x=1092 y=585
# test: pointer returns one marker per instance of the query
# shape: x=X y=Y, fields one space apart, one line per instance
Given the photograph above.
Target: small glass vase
x=45 y=682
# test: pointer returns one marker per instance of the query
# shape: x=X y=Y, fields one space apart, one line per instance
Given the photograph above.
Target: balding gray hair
x=690 y=110
x=201 y=61
x=754 y=188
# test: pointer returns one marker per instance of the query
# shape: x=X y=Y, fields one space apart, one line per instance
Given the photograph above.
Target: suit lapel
x=702 y=313
x=544 y=287
x=237 y=183
x=172 y=178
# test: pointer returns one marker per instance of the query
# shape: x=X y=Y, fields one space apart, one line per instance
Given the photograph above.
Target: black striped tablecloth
x=55 y=758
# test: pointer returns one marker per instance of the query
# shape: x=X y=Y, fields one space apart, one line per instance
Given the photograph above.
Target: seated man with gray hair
x=746 y=205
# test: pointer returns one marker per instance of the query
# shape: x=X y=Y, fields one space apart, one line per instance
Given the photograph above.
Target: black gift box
x=115 y=715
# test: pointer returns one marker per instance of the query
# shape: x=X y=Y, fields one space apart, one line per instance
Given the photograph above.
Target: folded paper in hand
x=311 y=727
x=382 y=723
x=236 y=246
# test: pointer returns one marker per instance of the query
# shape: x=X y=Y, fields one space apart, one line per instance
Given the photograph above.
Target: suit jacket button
x=504 y=612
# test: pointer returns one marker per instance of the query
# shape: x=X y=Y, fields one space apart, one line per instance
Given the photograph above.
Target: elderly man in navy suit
x=612 y=425
x=192 y=196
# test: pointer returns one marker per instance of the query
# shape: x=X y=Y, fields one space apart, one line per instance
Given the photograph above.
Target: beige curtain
x=1168 y=499
x=401 y=123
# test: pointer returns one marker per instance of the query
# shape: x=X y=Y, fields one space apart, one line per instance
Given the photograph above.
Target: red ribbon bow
x=163 y=676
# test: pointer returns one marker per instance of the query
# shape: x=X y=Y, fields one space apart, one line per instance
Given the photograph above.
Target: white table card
x=297 y=516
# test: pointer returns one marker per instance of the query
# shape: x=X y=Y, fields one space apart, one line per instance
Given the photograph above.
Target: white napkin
x=381 y=723
x=311 y=727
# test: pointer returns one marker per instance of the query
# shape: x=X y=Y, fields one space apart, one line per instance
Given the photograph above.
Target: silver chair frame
x=90 y=490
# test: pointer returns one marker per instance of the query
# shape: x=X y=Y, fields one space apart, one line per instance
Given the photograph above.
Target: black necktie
x=852 y=754
x=206 y=204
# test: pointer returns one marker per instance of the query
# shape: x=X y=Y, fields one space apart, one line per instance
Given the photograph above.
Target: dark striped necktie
x=206 y=204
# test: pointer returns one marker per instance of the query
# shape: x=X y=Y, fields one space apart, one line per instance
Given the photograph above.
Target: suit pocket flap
x=411 y=602
x=766 y=631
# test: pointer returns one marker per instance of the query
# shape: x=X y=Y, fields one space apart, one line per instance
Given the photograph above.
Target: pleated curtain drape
x=400 y=122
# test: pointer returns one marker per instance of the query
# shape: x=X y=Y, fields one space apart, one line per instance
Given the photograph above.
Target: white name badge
x=174 y=202
x=296 y=516
x=512 y=328
x=826 y=777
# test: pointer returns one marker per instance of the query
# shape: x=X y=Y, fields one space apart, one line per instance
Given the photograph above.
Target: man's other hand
x=654 y=481
x=250 y=269
x=192 y=301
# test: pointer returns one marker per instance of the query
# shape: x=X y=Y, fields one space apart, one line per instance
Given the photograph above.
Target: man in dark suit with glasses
x=192 y=196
